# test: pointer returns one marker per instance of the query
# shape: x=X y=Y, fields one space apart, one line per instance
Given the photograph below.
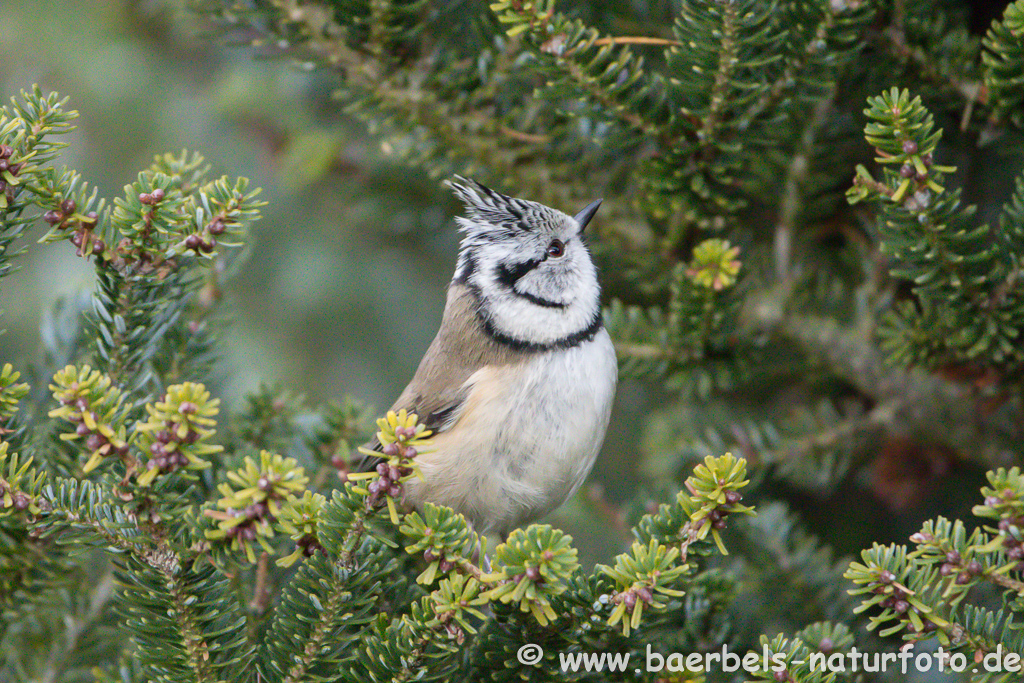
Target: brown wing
x=438 y=389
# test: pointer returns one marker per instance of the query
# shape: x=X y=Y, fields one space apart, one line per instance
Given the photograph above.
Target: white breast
x=526 y=438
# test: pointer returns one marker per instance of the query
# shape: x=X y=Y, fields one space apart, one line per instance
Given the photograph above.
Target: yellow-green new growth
x=535 y=565
x=300 y=517
x=272 y=481
x=884 y=579
x=173 y=436
x=90 y=402
x=641 y=576
x=1004 y=496
x=523 y=15
x=442 y=535
x=403 y=427
x=10 y=393
x=715 y=264
x=19 y=484
x=714 y=488
x=402 y=437
x=456 y=598
x=250 y=510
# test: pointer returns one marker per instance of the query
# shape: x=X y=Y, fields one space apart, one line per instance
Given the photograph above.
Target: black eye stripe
x=510 y=275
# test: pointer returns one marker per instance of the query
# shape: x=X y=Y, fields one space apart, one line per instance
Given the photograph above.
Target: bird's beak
x=584 y=216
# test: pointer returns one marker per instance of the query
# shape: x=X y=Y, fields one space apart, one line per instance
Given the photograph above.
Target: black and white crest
x=493 y=215
x=529 y=268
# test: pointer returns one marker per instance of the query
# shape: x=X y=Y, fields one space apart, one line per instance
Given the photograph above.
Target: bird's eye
x=556 y=248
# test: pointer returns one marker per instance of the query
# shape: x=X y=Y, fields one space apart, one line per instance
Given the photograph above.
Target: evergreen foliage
x=146 y=537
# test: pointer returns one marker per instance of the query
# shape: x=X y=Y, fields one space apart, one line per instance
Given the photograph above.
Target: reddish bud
x=68 y=206
x=157 y=195
x=53 y=217
x=909 y=147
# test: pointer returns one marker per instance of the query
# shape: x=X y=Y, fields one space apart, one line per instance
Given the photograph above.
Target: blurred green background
x=345 y=282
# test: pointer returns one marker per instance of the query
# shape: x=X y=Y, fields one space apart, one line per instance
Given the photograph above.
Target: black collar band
x=571 y=341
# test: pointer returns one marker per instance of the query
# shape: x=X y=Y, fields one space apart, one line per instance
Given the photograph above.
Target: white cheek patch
x=517 y=316
x=528 y=299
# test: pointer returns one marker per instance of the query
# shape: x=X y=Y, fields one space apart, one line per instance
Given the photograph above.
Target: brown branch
x=261 y=593
x=636 y=40
x=524 y=137
x=1006 y=582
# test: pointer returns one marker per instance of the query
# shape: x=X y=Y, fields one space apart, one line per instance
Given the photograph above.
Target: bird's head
x=528 y=265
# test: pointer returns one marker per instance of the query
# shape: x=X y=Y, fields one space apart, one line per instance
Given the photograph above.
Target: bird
x=518 y=384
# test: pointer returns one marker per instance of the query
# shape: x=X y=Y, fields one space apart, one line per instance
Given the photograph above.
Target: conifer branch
x=76 y=627
x=928 y=404
x=191 y=633
x=796 y=175
x=329 y=614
